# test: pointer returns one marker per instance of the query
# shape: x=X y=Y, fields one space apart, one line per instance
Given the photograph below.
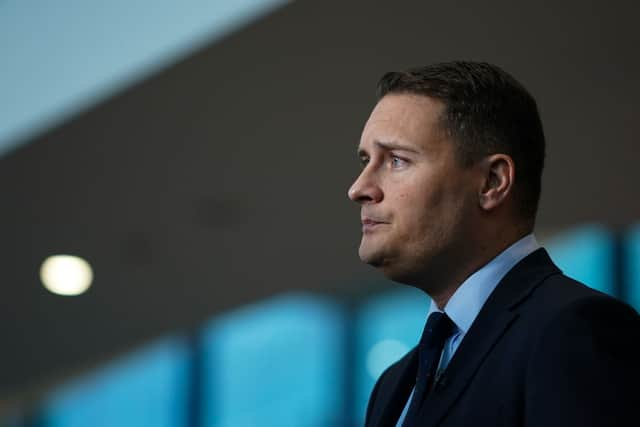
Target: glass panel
x=586 y=254
x=276 y=363
x=632 y=267
x=146 y=388
x=387 y=326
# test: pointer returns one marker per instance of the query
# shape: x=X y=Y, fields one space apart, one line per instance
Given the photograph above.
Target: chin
x=398 y=275
x=374 y=258
x=394 y=271
x=373 y=261
x=384 y=263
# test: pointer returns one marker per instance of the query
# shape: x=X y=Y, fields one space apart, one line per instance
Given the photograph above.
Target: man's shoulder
x=558 y=293
x=399 y=366
x=563 y=306
x=540 y=287
x=398 y=376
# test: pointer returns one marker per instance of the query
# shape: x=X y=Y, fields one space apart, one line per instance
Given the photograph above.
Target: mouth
x=369 y=225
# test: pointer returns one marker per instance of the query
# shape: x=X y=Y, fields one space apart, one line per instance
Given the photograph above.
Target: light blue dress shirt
x=465 y=304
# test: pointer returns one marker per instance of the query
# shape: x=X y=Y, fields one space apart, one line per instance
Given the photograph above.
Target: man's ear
x=499 y=174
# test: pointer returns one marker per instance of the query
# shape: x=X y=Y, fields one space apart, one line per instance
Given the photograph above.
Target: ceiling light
x=66 y=274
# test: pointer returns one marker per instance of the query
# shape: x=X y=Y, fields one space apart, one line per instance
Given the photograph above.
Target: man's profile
x=452 y=158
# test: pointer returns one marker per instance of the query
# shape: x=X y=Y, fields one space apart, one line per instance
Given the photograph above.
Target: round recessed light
x=66 y=274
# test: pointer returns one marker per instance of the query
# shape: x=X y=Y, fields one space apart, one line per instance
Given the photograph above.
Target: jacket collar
x=495 y=317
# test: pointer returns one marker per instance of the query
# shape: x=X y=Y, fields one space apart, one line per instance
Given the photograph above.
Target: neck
x=485 y=251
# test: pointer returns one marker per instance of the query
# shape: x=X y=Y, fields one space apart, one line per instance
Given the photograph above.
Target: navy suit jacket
x=544 y=351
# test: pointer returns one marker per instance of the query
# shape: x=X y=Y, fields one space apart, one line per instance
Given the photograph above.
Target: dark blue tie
x=438 y=328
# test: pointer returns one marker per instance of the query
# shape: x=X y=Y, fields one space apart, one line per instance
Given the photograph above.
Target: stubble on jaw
x=433 y=263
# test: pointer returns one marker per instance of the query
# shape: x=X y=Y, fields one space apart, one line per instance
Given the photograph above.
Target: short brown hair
x=487 y=111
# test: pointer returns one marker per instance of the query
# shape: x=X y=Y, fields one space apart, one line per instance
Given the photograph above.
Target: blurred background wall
x=198 y=156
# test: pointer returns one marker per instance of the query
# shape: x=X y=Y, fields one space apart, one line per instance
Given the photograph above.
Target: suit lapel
x=495 y=318
x=399 y=381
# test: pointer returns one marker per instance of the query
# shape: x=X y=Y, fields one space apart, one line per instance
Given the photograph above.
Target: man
x=452 y=160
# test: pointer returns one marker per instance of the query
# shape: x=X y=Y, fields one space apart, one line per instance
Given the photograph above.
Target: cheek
x=419 y=205
x=426 y=215
x=416 y=213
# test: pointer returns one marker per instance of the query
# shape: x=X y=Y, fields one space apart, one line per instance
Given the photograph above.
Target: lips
x=370 y=224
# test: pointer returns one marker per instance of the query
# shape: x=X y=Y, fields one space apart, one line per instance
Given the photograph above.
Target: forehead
x=407 y=118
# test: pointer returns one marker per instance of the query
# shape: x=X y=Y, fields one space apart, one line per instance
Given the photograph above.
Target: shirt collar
x=465 y=304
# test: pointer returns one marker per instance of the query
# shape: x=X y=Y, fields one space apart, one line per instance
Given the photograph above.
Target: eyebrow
x=390 y=145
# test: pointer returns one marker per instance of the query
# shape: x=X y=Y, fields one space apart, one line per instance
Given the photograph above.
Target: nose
x=365 y=189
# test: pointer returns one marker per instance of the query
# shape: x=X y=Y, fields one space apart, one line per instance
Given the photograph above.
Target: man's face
x=417 y=201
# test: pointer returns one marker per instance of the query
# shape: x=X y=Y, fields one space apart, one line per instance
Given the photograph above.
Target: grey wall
x=223 y=179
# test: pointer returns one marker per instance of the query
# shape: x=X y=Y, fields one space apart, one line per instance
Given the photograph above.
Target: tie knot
x=439 y=327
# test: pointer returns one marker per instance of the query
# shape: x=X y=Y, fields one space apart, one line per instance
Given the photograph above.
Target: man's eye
x=364 y=161
x=397 y=162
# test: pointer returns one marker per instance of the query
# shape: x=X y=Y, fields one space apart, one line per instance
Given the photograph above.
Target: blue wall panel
x=387 y=326
x=146 y=388
x=277 y=363
x=632 y=267
x=587 y=255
